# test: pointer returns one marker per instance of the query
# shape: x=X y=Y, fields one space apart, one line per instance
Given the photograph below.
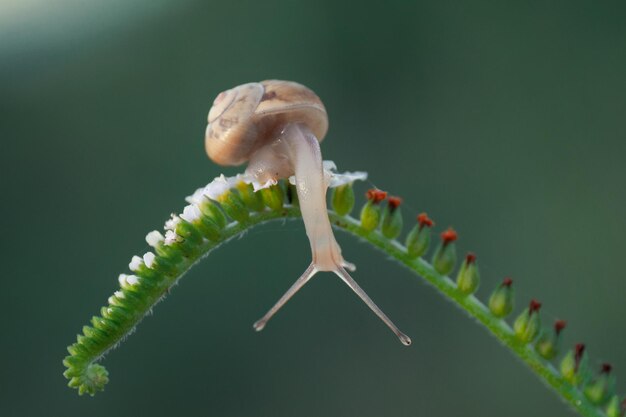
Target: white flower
x=219 y=186
x=148 y=259
x=191 y=213
x=128 y=280
x=329 y=166
x=337 y=179
x=135 y=263
x=122 y=280
x=197 y=197
x=172 y=223
x=170 y=237
x=116 y=297
x=258 y=186
x=154 y=238
x=334 y=178
x=222 y=184
x=132 y=280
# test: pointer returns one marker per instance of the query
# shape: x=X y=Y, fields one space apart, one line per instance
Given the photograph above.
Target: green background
x=505 y=120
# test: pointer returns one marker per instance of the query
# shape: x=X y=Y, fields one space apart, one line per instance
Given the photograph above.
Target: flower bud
x=548 y=343
x=168 y=252
x=342 y=199
x=574 y=365
x=502 y=301
x=273 y=197
x=205 y=225
x=148 y=266
x=182 y=237
x=468 y=278
x=250 y=198
x=233 y=206
x=209 y=228
x=188 y=231
x=391 y=223
x=528 y=324
x=213 y=212
x=615 y=408
x=444 y=258
x=418 y=239
x=600 y=389
x=370 y=213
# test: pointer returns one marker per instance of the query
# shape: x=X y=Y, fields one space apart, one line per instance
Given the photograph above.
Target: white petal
x=258 y=186
x=329 y=166
x=132 y=280
x=148 y=259
x=154 y=238
x=172 y=223
x=170 y=237
x=135 y=263
x=197 y=197
x=191 y=213
x=219 y=186
x=122 y=279
x=334 y=178
x=337 y=179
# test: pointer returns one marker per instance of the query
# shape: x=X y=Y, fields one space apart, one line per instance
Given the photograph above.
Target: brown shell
x=249 y=116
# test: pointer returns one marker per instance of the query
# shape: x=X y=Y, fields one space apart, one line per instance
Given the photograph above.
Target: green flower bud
x=168 y=253
x=342 y=199
x=370 y=213
x=444 y=258
x=600 y=389
x=191 y=238
x=418 y=239
x=213 y=212
x=117 y=314
x=249 y=198
x=94 y=380
x=548 y=343
x=574 y=365
x=234 y=207
x=501 y=301
x=370 y=216
x=391 y=223
x=188 y=231
x=468 y=279
x=194 y=216
x=273 y=197
x=615 y=409
x=209 y=229
x=528 y=324
x=93 y=333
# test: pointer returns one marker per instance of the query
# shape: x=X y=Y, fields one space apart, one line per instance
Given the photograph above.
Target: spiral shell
x=248 y=116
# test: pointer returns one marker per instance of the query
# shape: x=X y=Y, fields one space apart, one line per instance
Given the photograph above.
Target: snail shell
x=249 y=116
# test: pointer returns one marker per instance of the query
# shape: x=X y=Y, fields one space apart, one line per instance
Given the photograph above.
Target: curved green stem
x=128 y=307
x=476 y=309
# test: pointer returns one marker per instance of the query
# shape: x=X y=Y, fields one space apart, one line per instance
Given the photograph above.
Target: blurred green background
x=506 y=121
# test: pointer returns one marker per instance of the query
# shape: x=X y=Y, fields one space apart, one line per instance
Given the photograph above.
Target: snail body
x=276 y=127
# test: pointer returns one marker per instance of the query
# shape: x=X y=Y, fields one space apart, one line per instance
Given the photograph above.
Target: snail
x=276 y=127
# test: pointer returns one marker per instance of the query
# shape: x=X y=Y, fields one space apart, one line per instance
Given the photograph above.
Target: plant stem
x=89 y=377
x=476 y=309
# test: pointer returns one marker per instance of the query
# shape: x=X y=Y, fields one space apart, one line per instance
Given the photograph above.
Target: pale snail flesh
x=276 y=127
